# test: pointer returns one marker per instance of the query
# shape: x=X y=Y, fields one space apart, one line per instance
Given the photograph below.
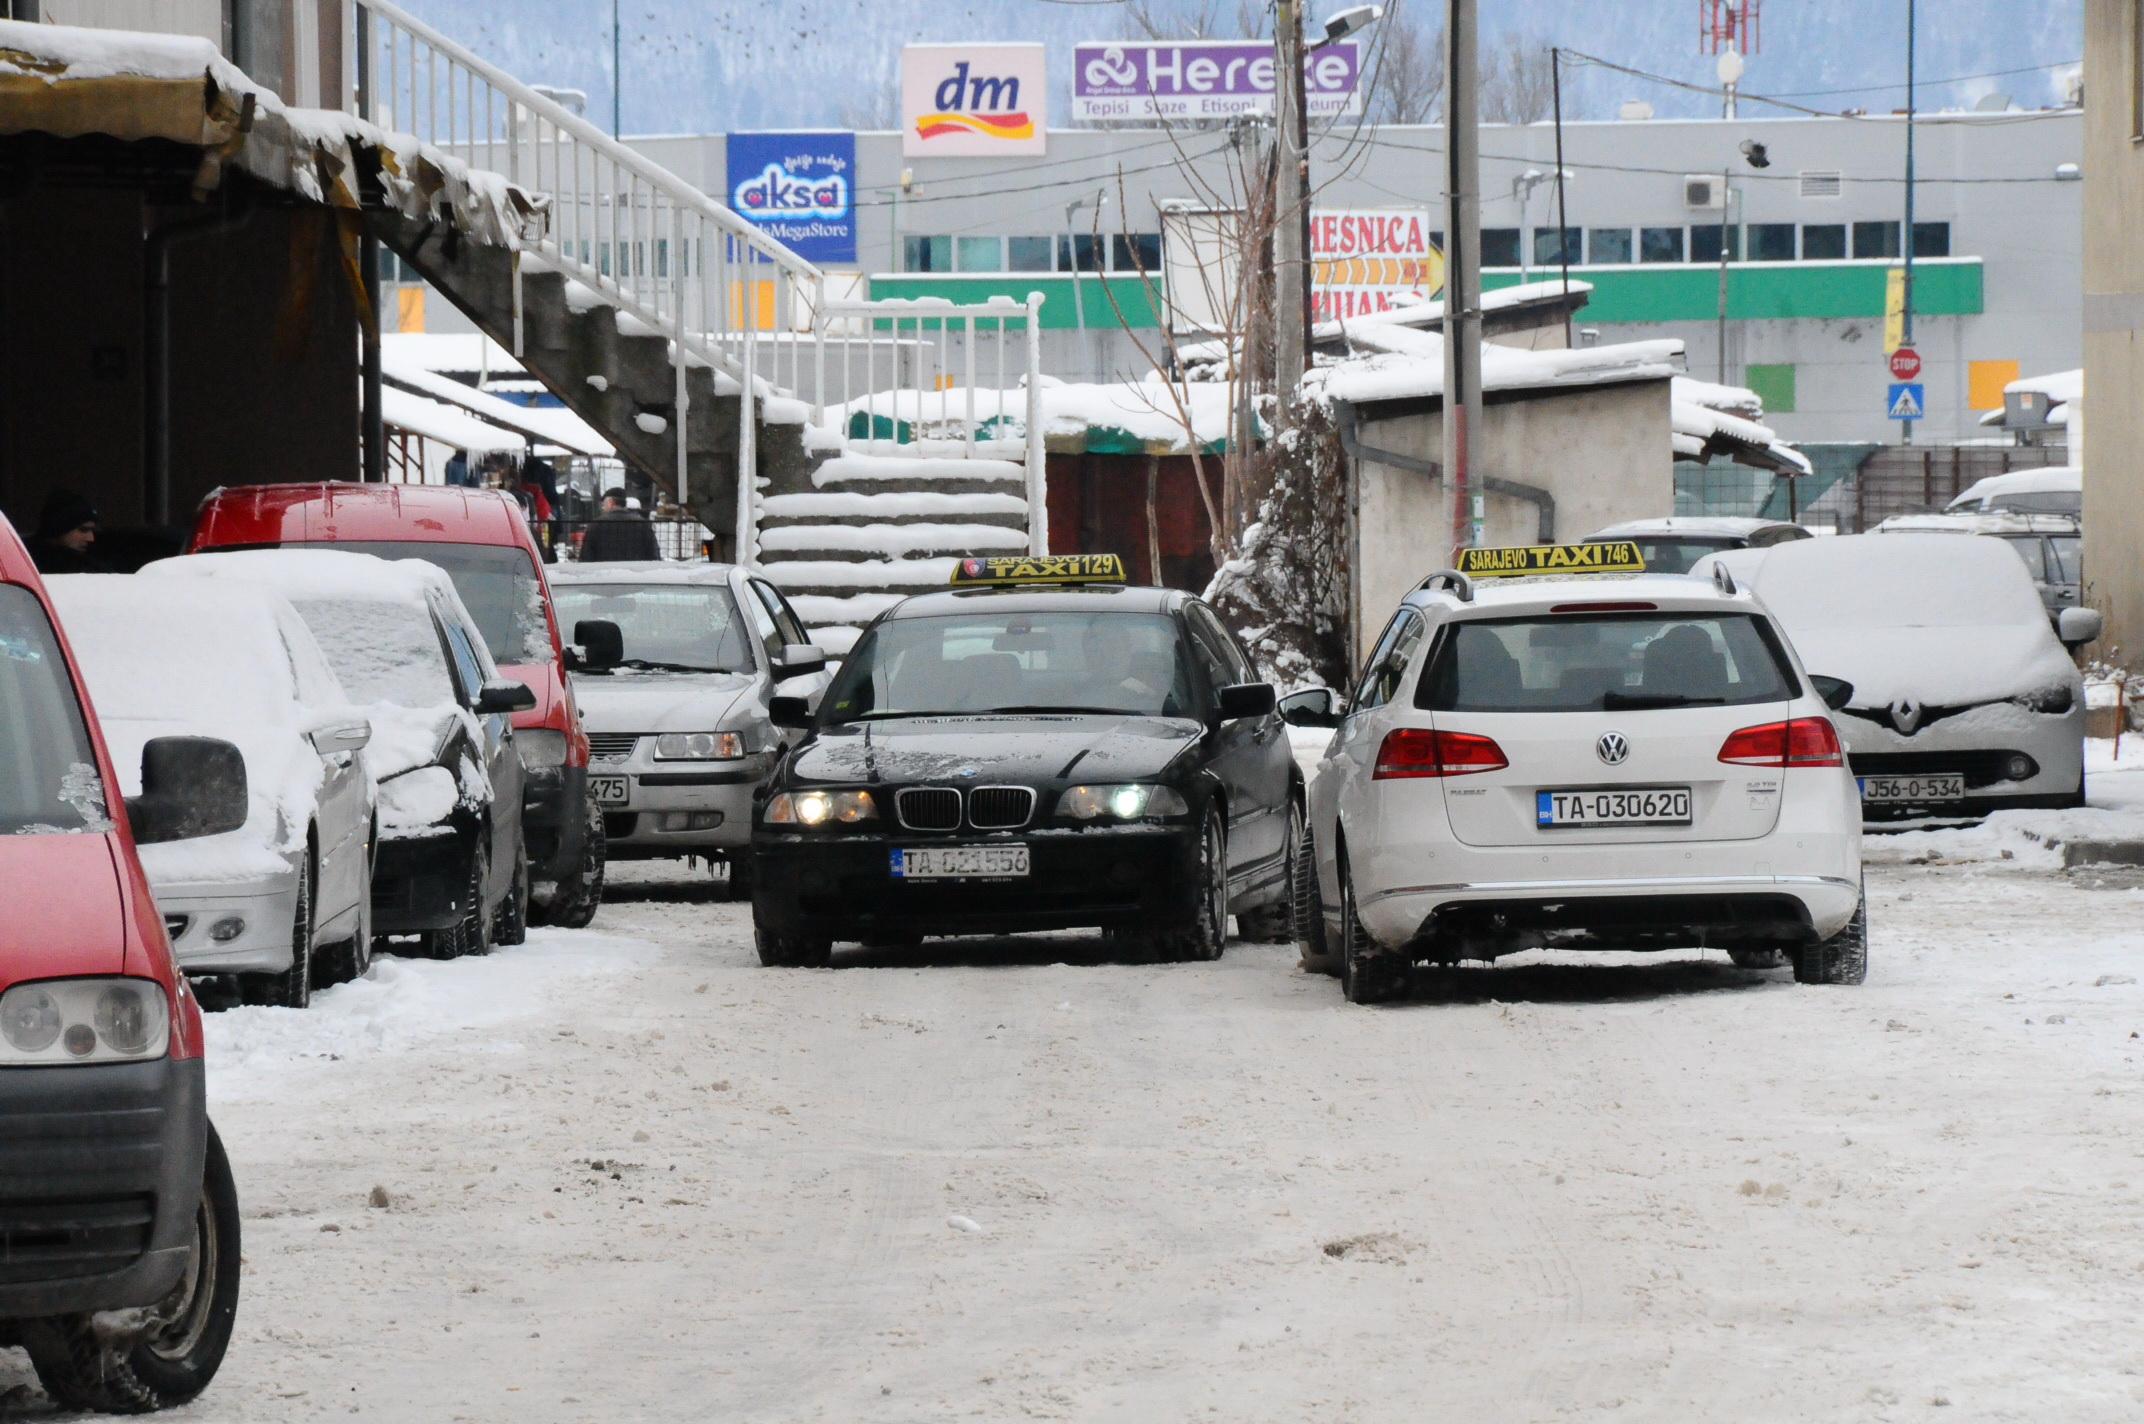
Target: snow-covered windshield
x=988 y=661
x=667 y=627
x=385 y=651
x=48 y=776
x=498 y=585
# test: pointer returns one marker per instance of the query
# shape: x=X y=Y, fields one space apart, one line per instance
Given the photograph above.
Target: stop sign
x=1905 y=364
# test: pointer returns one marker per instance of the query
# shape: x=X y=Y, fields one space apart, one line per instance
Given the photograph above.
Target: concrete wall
x=201 y=18
x=1401 y=517
x=2114 y=306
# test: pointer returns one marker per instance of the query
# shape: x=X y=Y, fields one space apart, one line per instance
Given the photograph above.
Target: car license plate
x=1621 y=806
x=1942 y=786
x=611 y=790
x=1000 y=862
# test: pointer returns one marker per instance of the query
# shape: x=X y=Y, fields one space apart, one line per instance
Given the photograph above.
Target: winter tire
x=293 y=988
x=512 y=923
x=1309 y=911
x=1275 y=923
x=573 y=904
x=1205 y=934
x=1842 y=959
x=1368 y=975
x=472 y=933
x=785 y=951
x=174 y=1358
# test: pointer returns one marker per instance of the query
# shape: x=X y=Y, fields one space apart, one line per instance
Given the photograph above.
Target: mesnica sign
x=1536 y=560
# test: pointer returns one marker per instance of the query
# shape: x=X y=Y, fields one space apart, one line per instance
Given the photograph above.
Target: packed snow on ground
x=2114 y=811
x=627 y=1173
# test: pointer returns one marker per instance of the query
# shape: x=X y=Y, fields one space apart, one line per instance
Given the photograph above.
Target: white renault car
x=1581 y=762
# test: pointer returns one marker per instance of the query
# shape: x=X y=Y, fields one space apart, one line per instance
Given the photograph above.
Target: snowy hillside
x=712 y=65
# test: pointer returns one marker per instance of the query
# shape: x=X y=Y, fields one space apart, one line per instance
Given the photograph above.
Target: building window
x=1774 y=386
x=1608 y=246
x=926 y=254
x=1771 y=242
x=1876 y=239
x=979 y=254
x=1499 y=247
x=1660 y=244
x=1029 y=254
x=1554 y=246
x=1088 y=249
x=1931 y=239
x=1136 y=252
x=1823 y=242
x=1705 y=244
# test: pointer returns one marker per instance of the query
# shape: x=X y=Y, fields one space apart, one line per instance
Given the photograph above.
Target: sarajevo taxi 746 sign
x=1534 y=560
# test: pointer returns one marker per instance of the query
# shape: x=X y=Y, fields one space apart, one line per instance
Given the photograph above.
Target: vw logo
x=1906 y=716
x=1612 y=748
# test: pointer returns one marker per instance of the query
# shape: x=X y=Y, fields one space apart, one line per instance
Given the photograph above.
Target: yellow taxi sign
x=1013 y=570
x=1616 y=556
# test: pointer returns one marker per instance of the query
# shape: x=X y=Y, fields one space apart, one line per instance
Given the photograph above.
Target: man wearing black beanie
x=66 y=532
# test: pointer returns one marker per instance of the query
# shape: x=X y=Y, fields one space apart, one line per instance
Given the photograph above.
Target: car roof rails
x=1459 y=583
x=1723 y=580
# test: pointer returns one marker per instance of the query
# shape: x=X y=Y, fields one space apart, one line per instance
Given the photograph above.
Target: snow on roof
x=449 y=352
x=321 y=572
x=546 y=425
x=1413 y=367
x=1699 y=432
x=1701 y=527
x=434 y=421
x=687 y=571
x=2052 y=479
x=1732 y=400
x=1977 y=524
x=1118 y=417
x=2060 y=386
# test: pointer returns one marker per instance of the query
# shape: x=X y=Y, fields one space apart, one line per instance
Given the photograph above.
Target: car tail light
x=1805 y=741
x=1418 y=751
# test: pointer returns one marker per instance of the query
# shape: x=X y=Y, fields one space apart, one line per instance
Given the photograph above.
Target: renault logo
x=1612 y=748
x=1906 y=716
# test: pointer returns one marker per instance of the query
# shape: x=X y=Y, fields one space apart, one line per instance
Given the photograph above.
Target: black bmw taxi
x=1036 y=747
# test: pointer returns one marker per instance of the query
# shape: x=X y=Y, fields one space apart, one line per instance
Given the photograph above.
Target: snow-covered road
x=627 y=1174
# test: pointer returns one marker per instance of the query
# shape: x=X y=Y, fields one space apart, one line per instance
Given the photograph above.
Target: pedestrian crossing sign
x=1907 y=401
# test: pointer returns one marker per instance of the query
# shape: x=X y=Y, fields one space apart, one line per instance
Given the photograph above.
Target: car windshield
x=666 y=627
x=498 y=585
x=384 y=651
x=1606 y=663
x=1675 y=555
x=2038 y=502
x=989 y=660
x=49 y=783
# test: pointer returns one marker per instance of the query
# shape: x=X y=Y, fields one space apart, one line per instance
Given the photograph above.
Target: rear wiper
x=1653 y=701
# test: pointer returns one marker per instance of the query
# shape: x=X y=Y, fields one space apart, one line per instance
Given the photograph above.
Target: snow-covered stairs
x=875 y=528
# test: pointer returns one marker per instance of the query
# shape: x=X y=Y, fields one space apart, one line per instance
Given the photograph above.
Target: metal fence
x=1908 y=479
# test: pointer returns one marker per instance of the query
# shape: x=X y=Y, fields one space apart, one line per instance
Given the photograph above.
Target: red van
x=118 y=1217
x=482 y=540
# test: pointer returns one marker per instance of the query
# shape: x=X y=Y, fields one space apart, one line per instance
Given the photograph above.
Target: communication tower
x=1724 y=25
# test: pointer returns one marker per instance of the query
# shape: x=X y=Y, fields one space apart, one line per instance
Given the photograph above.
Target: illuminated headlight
x=83 y=1021
x=812 y=809
x=541 y=750
x=1132 y=801
x=699 y=746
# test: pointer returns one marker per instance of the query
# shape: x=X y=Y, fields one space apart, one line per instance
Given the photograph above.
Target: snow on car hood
x=658 y=702
x=283 y=776
x=1029 y=749
x=1939 y=667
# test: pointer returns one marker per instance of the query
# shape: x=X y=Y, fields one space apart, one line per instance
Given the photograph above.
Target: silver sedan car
x=673 y=669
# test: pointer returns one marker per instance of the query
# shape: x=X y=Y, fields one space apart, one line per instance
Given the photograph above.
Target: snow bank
x=834 y=505
x=893 y=540
x=854 y=469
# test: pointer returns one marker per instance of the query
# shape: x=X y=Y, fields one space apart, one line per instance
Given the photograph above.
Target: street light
x=1355 y=17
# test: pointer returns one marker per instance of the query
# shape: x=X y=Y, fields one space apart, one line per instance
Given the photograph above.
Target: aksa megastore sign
x=798 y=188
x=1203 y=79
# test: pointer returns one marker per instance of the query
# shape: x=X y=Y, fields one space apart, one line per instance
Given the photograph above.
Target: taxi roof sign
x=1617 y=556
x=1017 y=570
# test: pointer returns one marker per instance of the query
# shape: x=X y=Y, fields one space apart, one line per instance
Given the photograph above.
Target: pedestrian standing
x=618 y=533
x=67 y=535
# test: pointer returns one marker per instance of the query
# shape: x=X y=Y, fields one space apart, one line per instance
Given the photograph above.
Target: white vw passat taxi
x=1627 y=763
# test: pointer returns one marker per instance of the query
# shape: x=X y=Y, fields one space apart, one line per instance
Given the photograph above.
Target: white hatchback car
x=1636 y=763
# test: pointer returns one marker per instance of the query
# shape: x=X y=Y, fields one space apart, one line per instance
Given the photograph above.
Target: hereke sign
x=1162 y=80
x=973 y=101
x=799 y=189
x=1363 y=259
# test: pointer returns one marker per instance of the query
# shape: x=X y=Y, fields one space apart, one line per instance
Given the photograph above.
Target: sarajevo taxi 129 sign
x=1535 y=560
x=1040 y=568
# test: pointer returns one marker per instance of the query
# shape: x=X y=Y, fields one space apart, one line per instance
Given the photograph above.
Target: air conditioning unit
x=1817 y=184
x=1703 y=190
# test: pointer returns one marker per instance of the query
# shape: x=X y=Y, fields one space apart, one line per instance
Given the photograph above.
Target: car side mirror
x=1836 y=692
x=2078 y=626
x=190 y=786
x=601 y=643
x=504 y=696
x=340 y=733
x=1247 y=699
x=790 y=713
x=799 y=660
x=1312 y=707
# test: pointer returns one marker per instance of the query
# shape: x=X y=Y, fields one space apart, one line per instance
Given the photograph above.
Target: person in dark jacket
x=66 y=534
x=618 y=534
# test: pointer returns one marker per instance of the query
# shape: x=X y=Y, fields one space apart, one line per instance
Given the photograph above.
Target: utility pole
x=1906 y=238
x=617 y=76
x=372 y=422
x=1290 y=220
x=1462 y=270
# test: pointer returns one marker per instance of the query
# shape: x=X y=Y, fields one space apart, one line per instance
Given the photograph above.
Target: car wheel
x=512 y=924
x=1275 y=923
x=84 y=1364
x=1205 y=934
x=293 y=988
x=471 y=934
x=1758 y=958
x=1842 y=959
x=1309 y=910
x=581 y=892
x=1368 y=975
x=788 y=951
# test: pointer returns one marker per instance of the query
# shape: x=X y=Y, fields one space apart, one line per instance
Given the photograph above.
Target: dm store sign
x=973 y=101
x=799 y=189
